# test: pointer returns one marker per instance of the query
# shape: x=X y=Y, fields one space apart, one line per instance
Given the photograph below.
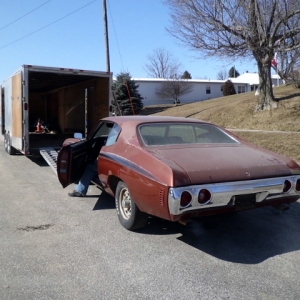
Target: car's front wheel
x=128 y=213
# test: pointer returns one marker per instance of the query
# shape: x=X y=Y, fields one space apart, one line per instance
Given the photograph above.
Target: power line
x=25 y=36
x=24 y=15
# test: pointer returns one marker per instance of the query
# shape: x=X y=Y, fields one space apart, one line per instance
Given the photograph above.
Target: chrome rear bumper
x=222 y=194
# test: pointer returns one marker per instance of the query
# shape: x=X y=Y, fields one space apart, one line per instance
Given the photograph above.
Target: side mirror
x=78 y=135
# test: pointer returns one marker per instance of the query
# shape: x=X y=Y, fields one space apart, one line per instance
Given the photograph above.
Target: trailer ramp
x=50 y=156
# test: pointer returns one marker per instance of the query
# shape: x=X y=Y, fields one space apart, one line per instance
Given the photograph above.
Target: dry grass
x=238 y=112
x=283 y=143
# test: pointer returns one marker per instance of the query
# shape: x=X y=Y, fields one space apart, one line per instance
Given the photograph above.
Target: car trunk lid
x=220 y=163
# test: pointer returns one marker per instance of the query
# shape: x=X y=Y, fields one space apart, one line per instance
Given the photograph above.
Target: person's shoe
x=75 y=194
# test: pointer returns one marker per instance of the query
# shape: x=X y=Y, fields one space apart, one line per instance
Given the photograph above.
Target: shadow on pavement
x=39 y=160
x=105 y=201
x=248 y=237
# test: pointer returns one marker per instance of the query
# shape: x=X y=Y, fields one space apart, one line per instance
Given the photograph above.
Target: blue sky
x=136 y=29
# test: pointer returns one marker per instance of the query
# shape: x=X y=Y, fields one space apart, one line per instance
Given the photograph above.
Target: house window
x=208 y=89
x=241 y=89
x=222 y=87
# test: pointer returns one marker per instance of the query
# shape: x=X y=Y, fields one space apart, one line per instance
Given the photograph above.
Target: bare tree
x=162 y=64
x=231 y=28
x=294 y=76
x=285 y=63
x=222 y=75
x=174 y=88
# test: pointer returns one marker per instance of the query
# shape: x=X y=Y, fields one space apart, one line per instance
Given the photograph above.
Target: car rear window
x=183 y=133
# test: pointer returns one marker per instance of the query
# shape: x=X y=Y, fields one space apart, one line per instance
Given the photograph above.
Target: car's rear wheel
x=128 y=213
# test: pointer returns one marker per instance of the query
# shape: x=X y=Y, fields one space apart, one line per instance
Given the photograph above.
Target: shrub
x=228 y=88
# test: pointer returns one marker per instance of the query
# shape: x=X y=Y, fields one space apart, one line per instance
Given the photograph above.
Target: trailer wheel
x=129 y=214
x=8 y=147
x=5 y=142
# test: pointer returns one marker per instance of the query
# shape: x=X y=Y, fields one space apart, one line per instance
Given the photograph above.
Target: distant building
x=249 y=82
x=203 y=89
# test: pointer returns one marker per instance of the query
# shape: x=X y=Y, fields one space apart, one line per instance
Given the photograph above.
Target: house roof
x=189 y=80
x=250 y=78
x=246 y=78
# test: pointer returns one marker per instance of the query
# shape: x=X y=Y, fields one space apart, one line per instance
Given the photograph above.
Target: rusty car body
x=178 y=169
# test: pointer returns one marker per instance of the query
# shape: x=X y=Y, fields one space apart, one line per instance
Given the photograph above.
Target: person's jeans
x=90 y=172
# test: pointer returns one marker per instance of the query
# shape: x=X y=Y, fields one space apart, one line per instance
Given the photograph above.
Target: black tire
x=129 y=214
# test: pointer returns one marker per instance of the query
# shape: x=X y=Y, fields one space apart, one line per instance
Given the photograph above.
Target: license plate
x=244 y=201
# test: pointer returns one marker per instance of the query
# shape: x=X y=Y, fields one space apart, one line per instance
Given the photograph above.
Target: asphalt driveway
x=56 y=247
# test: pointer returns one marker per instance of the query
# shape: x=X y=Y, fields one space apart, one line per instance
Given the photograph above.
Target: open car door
x=71 y=162
x=74 y=156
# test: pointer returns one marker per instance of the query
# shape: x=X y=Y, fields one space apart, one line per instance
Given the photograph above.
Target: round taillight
x=204 y=196
x=286 y=186
x=298 y=185
x=185 y=199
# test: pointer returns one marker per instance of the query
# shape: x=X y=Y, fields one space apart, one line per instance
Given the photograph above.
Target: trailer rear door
x=1 y=110
x=17 y=116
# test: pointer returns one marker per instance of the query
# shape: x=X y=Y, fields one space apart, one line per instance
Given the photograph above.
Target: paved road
x=56 y=247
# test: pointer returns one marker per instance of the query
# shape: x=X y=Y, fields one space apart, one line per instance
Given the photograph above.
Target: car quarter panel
x=146 y=176
x=148 y=191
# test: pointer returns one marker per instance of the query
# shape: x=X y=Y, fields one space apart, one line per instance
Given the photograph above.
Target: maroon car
x=178 y=169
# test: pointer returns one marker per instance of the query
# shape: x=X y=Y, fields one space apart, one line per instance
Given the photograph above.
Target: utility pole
x=106 y=36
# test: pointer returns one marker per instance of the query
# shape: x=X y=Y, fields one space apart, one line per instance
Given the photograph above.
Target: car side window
x=98 y=139
x=183 y=133
x=103 y=130
x=113 y=135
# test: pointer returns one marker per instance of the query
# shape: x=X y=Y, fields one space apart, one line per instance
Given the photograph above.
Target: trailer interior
x=65 y=104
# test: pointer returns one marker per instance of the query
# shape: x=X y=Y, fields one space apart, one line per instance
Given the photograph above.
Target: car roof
x=136 y=120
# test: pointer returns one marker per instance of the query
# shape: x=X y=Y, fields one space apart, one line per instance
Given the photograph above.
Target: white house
x=203 y=89
x=248 y=82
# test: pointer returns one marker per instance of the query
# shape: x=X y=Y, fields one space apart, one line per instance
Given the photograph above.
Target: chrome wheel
x=129 y=214
x=125 y=203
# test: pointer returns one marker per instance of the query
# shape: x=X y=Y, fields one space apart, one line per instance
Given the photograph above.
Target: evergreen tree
x=129 y=100
x=233 y=73
x=228 y=88
x=186 y=75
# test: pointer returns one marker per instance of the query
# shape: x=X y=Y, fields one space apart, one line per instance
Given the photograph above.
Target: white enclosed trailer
x=66 y=101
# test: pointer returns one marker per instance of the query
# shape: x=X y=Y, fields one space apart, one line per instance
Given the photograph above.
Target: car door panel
x=71 y=162
x=74 y=156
